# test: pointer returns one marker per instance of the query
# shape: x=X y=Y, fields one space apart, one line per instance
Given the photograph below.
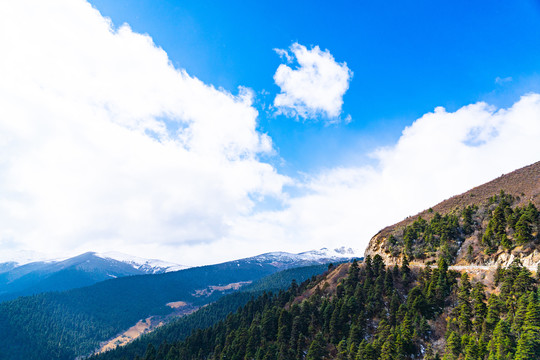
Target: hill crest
x=522 y=185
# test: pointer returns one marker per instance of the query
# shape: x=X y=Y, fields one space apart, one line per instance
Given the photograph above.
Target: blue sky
x=407 y=59
x=209 y=131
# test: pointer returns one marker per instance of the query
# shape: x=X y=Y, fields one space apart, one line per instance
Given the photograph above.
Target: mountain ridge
x=521 y=185
x=75 y=272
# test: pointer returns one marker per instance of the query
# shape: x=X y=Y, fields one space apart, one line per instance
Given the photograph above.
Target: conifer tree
x=388 y=350
x=501 y=344
x=453 y=345
x=471 y=350
x=317 y=350
x=405 y=270
x=523 y=232
x=479 y=306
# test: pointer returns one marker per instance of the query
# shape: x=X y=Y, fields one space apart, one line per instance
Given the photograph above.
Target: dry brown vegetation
x=143 y=326
x=327 y=284
x=523 y=183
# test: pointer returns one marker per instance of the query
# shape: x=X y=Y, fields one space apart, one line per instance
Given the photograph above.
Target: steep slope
x=455 y=228
x=82 y=270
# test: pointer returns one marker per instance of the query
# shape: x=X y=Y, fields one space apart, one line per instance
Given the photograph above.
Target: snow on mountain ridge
x=151 y=266
x=12 y=259
x=312 y=255
x=341 y=252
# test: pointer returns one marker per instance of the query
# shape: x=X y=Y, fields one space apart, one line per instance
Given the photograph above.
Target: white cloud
x=87 y=159
x=105 y=146
x=284 y=54
x=501 y=81
x=440 y=155
x=315 y=88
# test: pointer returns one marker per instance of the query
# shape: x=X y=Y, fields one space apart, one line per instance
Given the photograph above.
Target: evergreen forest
x=378 y=312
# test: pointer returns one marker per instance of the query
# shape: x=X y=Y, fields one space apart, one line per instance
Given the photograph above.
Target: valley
x=85 y=318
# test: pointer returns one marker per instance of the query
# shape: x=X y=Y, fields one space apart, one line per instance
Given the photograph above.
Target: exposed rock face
x=523 y=184
x=530 y=260
x=377 y=246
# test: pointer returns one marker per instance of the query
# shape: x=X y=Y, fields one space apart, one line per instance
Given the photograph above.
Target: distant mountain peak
x=26 y=272
x=283 y=259
x=150 y=266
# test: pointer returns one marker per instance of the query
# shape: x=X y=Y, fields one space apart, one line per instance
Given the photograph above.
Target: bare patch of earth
x=209 y=290
x=177 y=304
x=181 y=308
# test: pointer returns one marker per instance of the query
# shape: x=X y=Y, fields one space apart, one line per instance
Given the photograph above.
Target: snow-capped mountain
x=148 y=266
x=22 y=277
x=285 y=260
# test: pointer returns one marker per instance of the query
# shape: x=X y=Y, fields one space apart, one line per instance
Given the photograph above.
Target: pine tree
x=471 y=351
x=479 y=306
x=405 y=270
x=529 y=345
x=342 y=353
x=429 y=354
x=532 y=318
x=150 y=352
x=523 y=281
x=453 y=344
x=523 y=232
x=500 y=345
x=388 y=351
x=317 y=349
x=519 y=317
x=468 y=220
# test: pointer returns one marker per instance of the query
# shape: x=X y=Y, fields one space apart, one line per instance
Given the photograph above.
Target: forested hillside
x=488 y=225
x=379 y=313
x=207 y=316
x=65 y=325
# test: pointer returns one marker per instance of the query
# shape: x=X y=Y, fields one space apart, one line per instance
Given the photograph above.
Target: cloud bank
x=440 y=155
x=105 y=146
x=315 y=88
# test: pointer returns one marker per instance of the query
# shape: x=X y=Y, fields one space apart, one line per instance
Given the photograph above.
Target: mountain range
x=28 y=277
x=18 y=279
x=85 y=317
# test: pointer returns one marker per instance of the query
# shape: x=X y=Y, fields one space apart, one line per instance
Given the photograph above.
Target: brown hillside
x=523 y=184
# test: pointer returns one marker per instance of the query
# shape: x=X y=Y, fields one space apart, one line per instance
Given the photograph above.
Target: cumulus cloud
x=440 y=155
x=104 y=145
x=315 y=88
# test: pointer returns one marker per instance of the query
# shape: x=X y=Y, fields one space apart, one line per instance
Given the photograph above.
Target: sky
x=198 y=132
